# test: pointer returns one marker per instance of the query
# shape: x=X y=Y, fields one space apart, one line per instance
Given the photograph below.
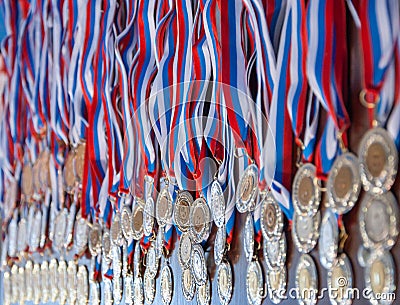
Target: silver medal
x=219 y=245
x=378 y=218
x=95 y=239
x=152 y=261
x=164 y=207
x=108 y=295
x=72 y=282
x=185 y=250
x=116 y=261
x=138 y=290
x=249 y=238
x=188 y=284
x=12 y=237
x=126 y=221
x=254 y=283
x=340 y=281
x=363 y=255
x=148 y=217
x=305 y=231
x=95 y=295
x=116 y=230
x=149 y=288
x=128 y=290
x=7 y=288
x=224 y=282
x=37 y=292
x=81 y=234
x=344 y=183
x=204 y=293
x=46 y=285
x=276 y=283
x=217 y=204
x=70 y=225
x=328 y=239
x=183 y=204
x=28 y=280
x=378 y=161
x=271 y=218
x=247 y=190
x=160 y=242
x=380 y=277
x=53 y=271
x=35 y=231
x=106 y=245
x=137 y=221
x=198 y=265
x=200 y=220
x=60 y=229
x=306 y=195
x=83 y=285
x=275 y=252
x=306 y=280
x=62 y=282
x=166 y=285
x=21 y=235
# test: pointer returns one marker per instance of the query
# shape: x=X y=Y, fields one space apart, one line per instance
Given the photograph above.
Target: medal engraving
x=247 y=189
x=271 y=219
x=224 y=282
x=106 y=245
x=27 y=185
x=328 y=239
x=276 y=283
x=200 y=220
x=254 y=283
x=95 y=239
x=149 y=288
x=218 y=205
x=80 y=161
x=116 y=230
x=198 y=266
x=166 y=285
x=126 y=220
x=185 y=250
x=151 y=262
x=305 y=231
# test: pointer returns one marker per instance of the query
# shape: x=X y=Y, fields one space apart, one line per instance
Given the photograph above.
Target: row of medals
x=375 y=170
x=31 y=277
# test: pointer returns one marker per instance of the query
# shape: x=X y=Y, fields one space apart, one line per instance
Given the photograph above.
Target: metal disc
x=198 y=265
x=148 y=216
x=185 y=250
x=305 y=231
x=340 y=281
x=137 y=222
x=271 y=218
x=219 y=245
x=247 y=189
x=188 y=284
x=166 y=285
x=200 y=220
x=275 y=252
x=164 y=207
x=254 y=283
x=224 y=282
x=182 y=207
x=306 y=280
x=218 y=205
x=328 y=239
x=249 y=238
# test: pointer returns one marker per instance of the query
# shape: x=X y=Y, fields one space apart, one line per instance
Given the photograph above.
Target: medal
x=46 y=285
x=164 y=207
x=21 y=235
x=340 y=280
x=363 y=255
x=276 y=283
x=128 y=289
x=81 y=234
x=204 y=293
x=72 y=270
x=249 y=238
x=95 y=293
x=344 y=183
x=138 y=290
x=82 y=285
x=136 y=259
x=116 y=261
x=305 y=194
x=95 y=239
x=117 y=289
x=21 y=280
x=14 y=284
x=26 y=184
x=188 y=284
x=271 y=218
x=380 y=277
x=53 y=279
x=106 y=245
x=218 y=205
x=247 y=189
x=35 y=231
x=68 y=172
x=183 y=203
x=108 y=295
x=305 y=231
x=275 y=252
x=12 y=237
x=219 y=245
x=149 y=288
x=70 y=225
x=37 y=292
x=7 y=288
x=378 y=161
x=116 y=230
x=254 y=283
x=126 y=222
x=79 y=161
x=224 y=282
x=200 y=220
x=62 y=282
x=151 y=262
x=328 y=239
x=137 y=221
x=60 y=229
x=160 y=243
x=378 y=220
x=166 y=285
x=185 y=250
x=198 y=265
x=44 y=169
x=148 y=217
x=306 y=280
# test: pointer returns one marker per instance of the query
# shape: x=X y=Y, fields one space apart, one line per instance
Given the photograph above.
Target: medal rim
x=282 y=250
x=188 y=292
x=166 y=275
x=149 y=288
x=249 y=242
x=148 y=219
x=255 y=266
x=276 y=233
x=225 y=297
x=201 y=279
x=244 y=206
x=126 y=230
x=152 y=268
x=183 y=196
x=282 y=273
x=220 y=239
x=164 y=220
x=206 y=226
x=207 y=295
x=137 y=234
x=181 y=261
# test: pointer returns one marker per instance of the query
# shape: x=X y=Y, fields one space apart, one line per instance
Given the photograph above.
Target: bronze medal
x=27 y=185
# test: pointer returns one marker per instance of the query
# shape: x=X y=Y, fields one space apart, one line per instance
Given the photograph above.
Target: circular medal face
x=60 y=229
x=185 y=250
x=340 y=280
x=27 y=185
x=378 y=161
x=306 y=280
x=151 y=261
x=344 y=183
x=276 y=283
x=126 y=220
x=35 y=177
x=328 y=239
x=271 y=218
x=305 y=195
x=363 y=255
x=380 y=277
x=198 y=265
x=166 y=285
x=200 y=220
x=137 y=222
x=182 y=207
x=72 y=282
x=164 y=207
x=95 y=239
x=379 y=220
x=254 y=283
x=81 y=234
x=247 y=189
x=275 y=252
x=204 y=293
x=188 y=284
x=305 y=231
x=106 y=245
x=217 y=204
x=219 y=245
x=116 y=230
x=224 y=282
x=46 y=285
x=249 y=238
x=80 y=161
x=148 y=217
x=68 y=172
x=21 y=235
x=138 y=290
x=149 y=288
